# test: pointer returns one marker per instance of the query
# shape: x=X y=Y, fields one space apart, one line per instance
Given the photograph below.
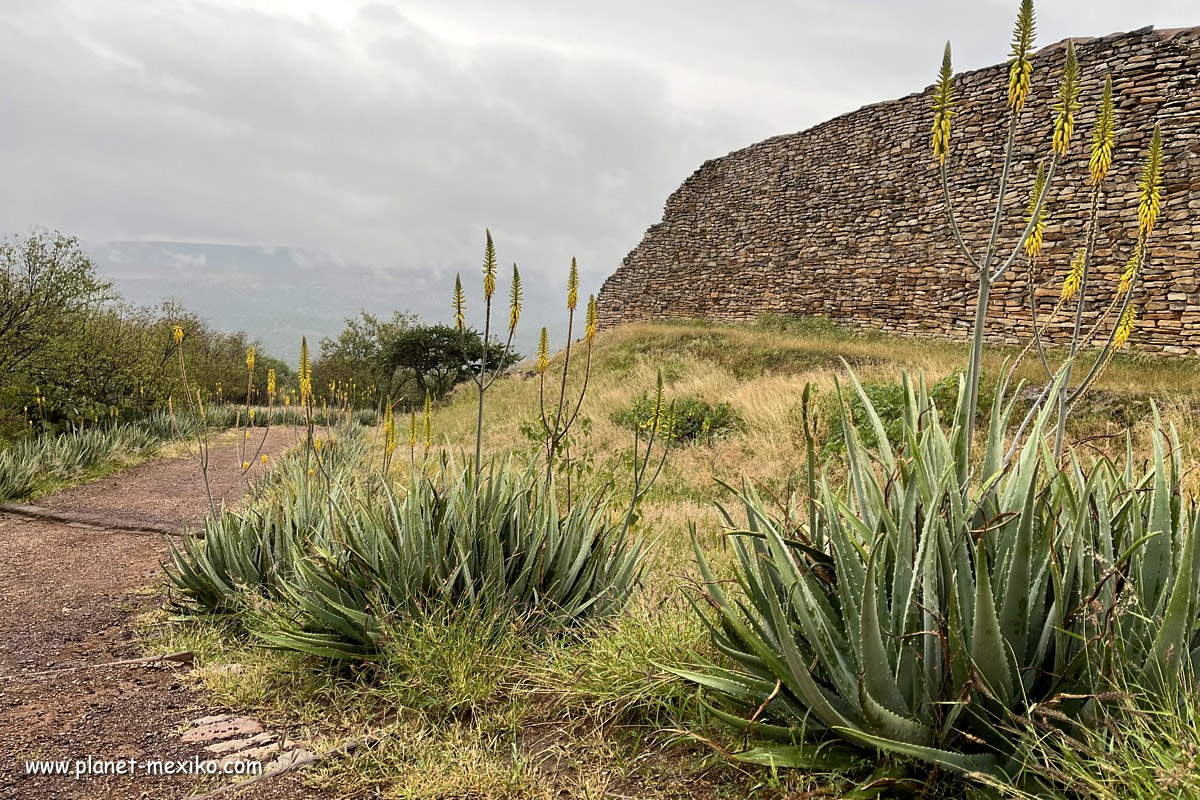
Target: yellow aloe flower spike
x=460 y=304
x=305 y=371
x=1033 y=245
x=265 y=459
x=1020 y=70
x=943 y=108
x=1067 y=104
x=271 y=383
x=1150 y=190
x=1102 y=135
x=177 y=334
x=573 y=286
x=489 y=268
x=514 y=301
x=592 y=320
x=250 y=358
x=543 y=359
x=412 y=429
x=1125 y=327
x=389 y=431
x=1131 y=268
x=428 y=422
x=1074 y=278
x=245 y=466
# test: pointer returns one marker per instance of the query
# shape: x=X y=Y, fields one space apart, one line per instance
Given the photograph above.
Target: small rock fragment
x=227 y=729
x=233 y=745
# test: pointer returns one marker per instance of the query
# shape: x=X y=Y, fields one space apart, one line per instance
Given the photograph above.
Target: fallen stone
x=252 y=754
x=227 y=729
x=233 y=745
x=287 y=759
x=211 y=720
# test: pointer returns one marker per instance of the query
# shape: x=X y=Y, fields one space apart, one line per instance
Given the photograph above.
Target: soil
x=69 y=595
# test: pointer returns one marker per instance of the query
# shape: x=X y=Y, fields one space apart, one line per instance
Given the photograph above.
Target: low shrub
x=225 y=415
x=810 y=325
x=1151 y=752
x=34 y=464
x=888 y=401
x=693 y=419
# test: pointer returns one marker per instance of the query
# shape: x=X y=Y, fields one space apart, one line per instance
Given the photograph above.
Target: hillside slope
x=760 y=370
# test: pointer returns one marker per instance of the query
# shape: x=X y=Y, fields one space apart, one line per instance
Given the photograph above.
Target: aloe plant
x=35 y=463
x=338 y=566
x=904 y=614
x=499 y=547
x=937 y=600
x=19 y=474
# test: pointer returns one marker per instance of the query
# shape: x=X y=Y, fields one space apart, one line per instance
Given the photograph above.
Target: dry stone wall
x=846 y=219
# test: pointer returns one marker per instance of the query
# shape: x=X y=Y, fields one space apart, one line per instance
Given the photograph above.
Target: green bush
x=693 y=418
x=223 y=416
x=888 y=400
x=1147 y=754
x=921 y=610
x=811 y=326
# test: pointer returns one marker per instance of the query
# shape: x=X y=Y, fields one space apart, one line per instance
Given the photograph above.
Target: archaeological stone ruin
x=846 y=219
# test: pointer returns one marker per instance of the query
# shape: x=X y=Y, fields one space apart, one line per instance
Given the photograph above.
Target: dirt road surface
x=68 y=595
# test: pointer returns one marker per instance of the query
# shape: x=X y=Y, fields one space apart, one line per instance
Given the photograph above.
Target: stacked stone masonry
x=846 y=219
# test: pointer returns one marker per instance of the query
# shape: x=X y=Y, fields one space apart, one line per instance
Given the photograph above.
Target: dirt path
x=68 y=594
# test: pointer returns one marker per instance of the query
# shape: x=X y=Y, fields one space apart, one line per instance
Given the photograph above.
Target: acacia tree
x=436 y=358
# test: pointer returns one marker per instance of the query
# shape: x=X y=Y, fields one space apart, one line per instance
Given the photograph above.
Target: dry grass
x=761 y=370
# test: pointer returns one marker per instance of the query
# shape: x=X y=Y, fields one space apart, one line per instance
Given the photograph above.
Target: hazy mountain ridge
x=278 y=294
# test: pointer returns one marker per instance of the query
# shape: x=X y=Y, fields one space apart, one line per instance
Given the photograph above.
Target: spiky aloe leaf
x=890 y=725
x=801 y=756
x=956 y=762
x=805 y=734
x=1014 y=613
x=1156 y=561
x=741 y=687
x=878 y=685
x=988 y=652
x=320 y=645
x=1171 y=645
x=793 y=670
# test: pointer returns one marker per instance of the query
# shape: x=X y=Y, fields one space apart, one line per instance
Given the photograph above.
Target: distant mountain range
x=278 y=294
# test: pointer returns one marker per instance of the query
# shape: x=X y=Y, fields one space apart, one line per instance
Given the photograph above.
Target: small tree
x=47 y=286
x=436 y=358
x=354 y=357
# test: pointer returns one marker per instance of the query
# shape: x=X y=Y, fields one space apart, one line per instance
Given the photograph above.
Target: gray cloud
x=381 y=138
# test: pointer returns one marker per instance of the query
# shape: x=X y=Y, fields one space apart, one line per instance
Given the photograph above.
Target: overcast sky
x=382 y=137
